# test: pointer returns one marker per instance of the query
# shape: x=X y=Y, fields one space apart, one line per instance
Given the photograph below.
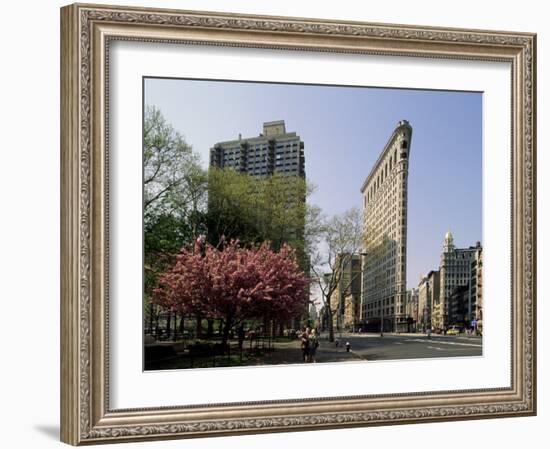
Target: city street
x=408 y=346
x=363 y=347
x=372 y=347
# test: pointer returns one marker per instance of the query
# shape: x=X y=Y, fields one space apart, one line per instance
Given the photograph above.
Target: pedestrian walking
x=304 y=344
x=313 y=345
x=241 y=335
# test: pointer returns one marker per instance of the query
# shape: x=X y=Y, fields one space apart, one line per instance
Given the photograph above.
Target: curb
x=359 y=356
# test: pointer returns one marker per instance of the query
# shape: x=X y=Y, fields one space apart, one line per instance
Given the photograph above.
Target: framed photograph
x=276 y=224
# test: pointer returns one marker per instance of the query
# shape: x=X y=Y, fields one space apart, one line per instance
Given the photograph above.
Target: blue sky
x=344 y=129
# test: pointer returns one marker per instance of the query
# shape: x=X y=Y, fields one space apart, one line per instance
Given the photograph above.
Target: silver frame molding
x=86 y=31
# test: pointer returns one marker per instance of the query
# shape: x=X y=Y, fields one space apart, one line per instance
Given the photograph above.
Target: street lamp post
x=382 y=319
x=339 y=321
x=363 y=273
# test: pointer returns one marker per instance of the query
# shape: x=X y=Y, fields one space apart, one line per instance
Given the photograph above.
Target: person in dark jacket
x=304 y=344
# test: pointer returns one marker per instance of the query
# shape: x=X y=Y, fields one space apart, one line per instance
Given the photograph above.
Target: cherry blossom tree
x=234 y=284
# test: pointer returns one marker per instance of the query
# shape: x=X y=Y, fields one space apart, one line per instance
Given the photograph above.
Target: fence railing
x=206 y=353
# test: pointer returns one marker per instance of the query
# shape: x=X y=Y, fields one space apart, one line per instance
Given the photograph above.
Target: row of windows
x=254 y=160
x=464 y=274
x=287 y=149
x=286 y=157
x=286 y=164
x=383 y=174
x=459 y=256
x=259 y=148
x=388 y=311
x=387 y=216
x=385 y=302
x=288 y=145
x=290 y=170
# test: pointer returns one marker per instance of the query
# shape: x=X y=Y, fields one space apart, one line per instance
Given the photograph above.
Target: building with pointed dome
x=455 y=276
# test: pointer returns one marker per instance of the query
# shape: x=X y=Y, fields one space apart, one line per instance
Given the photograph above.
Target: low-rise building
x=428 y=298
x=458 y=307
x=345 y=301
x=412 y=309
x=456 y=271
x=477 y=291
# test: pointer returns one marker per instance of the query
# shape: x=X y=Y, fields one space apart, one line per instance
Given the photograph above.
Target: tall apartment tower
x=273 y=151
x=455 y=268
x=384 y=277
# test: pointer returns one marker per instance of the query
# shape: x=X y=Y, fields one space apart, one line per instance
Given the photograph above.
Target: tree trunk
x=210 y=330
x=168 y=324
x=226 y=329
x=199 y=327
x=151 y=316
x=330 y=325
x=241 y=335
x=157 y=326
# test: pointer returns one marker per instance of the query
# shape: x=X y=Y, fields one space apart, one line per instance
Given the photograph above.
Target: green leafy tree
x=256 y=209
x=338 y=240
x=174 y=197
x=174 y=190
x=173 y=179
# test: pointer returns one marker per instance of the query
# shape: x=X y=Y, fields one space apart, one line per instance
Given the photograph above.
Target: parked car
x=453 y=331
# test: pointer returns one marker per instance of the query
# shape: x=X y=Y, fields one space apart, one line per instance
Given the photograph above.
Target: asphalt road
x=410 y=346
x=366 y=347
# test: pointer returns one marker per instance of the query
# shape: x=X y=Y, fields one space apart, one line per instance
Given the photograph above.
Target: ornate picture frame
x=86 y=34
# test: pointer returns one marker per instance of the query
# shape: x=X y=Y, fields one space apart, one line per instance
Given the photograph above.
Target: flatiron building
x=384 y=257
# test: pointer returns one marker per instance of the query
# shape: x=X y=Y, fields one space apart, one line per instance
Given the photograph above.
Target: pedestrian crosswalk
x=444 y=342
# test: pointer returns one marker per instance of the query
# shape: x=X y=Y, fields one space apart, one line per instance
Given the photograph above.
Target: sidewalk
x=290 y=353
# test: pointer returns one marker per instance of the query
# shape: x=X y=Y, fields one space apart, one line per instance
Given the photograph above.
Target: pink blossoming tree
x=234 y=284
